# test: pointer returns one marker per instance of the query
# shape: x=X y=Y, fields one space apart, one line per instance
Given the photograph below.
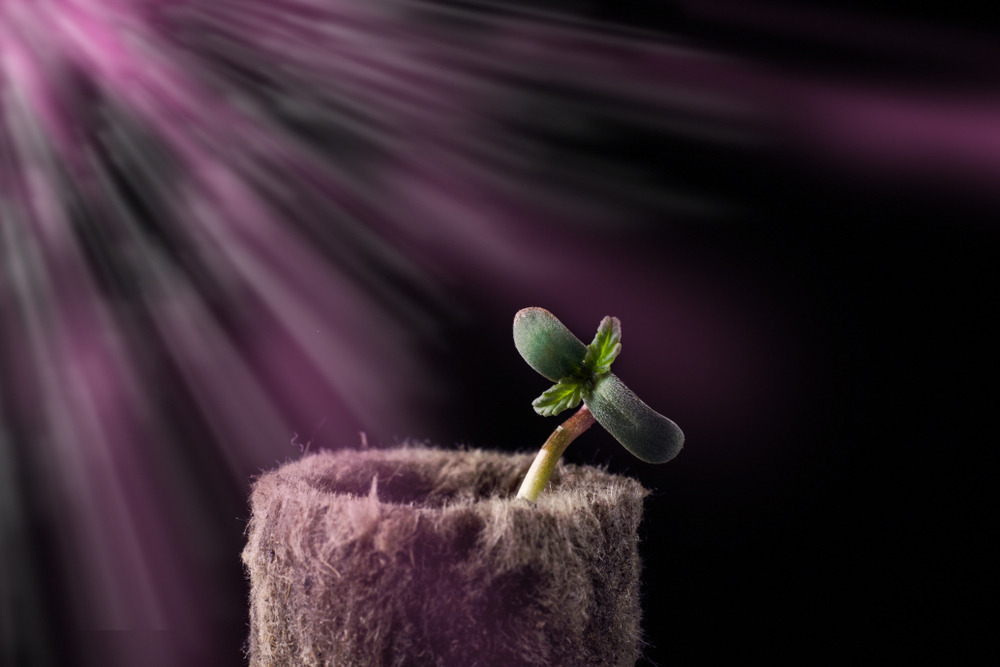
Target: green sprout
x=582 y=374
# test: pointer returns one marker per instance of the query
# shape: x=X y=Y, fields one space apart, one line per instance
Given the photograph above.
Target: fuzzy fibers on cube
x=417 y=556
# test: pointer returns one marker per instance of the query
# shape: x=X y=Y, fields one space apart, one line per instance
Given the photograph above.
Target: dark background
x=834 y=510
x=829 y=506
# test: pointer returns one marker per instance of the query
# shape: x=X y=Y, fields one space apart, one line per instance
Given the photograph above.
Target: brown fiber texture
x=422 y=557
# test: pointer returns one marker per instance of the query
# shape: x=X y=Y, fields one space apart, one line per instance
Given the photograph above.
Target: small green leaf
x=547 y=345
x=646 y=433
x=605 y=347
x=563 y=395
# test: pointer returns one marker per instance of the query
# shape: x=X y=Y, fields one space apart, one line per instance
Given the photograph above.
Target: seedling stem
x=545 y=462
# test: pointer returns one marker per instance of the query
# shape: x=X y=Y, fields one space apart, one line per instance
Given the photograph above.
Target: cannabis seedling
x=582 y=373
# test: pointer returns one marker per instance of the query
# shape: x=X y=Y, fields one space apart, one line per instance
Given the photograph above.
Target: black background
x=858 y=534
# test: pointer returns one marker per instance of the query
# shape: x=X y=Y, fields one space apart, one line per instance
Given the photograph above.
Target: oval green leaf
x=547 y=345
x=646 y=433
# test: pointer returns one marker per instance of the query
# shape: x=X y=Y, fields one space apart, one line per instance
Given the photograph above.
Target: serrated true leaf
x=646 y=433
x=563 y=395
x=547 y=345
x=605 y=347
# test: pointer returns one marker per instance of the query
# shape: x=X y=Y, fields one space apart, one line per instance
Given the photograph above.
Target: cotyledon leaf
x=547 y=345
x=646 y=433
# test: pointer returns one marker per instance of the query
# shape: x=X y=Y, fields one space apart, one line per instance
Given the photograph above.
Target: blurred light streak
x=107 y=524
x=938 y=140
x=84 y=273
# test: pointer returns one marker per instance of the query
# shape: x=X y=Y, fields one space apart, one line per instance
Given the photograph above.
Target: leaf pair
x=583 y=373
